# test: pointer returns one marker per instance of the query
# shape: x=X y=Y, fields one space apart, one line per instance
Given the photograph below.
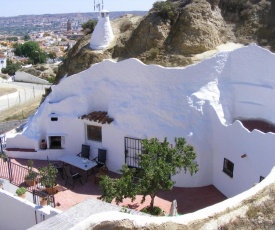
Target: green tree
x=26 y=37
x=90 y=24
x=165 y=9
x=18 y=49
x=52 y=55
x=15 y=39
x=11 y=68
x=158 y=162
x=119 y=188
x=31 y=50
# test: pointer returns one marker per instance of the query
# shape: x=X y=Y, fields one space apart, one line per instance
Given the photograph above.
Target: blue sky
x=23 y=7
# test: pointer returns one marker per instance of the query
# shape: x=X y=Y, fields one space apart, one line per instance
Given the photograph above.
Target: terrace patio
x=188 y=199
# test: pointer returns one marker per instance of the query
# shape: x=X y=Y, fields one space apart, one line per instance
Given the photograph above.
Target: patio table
x=79 y=162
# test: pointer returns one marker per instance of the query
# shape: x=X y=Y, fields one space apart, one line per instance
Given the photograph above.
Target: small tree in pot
x=30 y=178
x=48 y=178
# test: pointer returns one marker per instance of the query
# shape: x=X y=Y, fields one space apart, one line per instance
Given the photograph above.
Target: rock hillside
x=172 y=39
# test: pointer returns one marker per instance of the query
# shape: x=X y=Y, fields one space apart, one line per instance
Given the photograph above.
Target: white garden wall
x=25 y=77
x=17 y=213
x=234 y=141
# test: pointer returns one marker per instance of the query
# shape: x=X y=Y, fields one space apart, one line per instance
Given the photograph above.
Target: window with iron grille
x=228 y=167
x=94 y=133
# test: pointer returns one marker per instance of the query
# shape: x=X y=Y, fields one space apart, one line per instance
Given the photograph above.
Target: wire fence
x=22 y=95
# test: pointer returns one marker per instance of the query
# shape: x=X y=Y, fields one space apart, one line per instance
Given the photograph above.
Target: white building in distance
x=3 y=61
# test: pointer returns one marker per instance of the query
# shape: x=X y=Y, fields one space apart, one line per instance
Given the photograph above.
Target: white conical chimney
x=103 y=34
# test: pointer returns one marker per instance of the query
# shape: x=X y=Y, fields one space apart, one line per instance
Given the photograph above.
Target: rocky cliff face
x=171 y=39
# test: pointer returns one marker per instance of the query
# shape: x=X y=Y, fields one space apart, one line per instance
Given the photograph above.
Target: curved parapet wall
x=211 y=217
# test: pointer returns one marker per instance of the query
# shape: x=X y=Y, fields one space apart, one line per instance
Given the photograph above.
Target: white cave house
x=219 y=105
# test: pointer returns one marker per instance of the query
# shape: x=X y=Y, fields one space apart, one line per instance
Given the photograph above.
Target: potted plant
x=48 y=178
x=43 y=144
x=21 y=192
x=30 y=178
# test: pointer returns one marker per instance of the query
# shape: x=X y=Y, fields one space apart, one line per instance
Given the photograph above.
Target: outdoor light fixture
x=244 y=155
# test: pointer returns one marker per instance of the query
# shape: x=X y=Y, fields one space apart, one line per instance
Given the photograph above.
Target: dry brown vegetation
x=4 y=91
x=20 y=111
x=260 y=212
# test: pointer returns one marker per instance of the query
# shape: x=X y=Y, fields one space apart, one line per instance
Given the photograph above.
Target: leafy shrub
x=153 y=53
x=156 y=211
x=165 y=9
x=20 y=191
x=90 y=24
x=11 y=68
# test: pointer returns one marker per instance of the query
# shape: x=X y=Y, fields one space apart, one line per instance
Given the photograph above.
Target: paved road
x=25 y=91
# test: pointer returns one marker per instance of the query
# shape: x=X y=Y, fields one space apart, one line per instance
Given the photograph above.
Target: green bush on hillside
x=165 y=9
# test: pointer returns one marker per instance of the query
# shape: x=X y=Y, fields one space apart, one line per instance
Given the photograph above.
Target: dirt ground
x=4 y=91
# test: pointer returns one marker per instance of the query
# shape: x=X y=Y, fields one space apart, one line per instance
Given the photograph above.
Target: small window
x=94 y=133
x=228 y=167
x=54 y=119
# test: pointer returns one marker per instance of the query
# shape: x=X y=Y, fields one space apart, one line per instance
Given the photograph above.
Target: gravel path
x=9 y=125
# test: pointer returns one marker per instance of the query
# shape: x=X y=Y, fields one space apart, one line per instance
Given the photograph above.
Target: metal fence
x=20 y=96
x=16 y=173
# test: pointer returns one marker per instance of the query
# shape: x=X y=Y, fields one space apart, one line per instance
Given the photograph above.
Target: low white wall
x=21 y=76
x=17 y=213
x=232 y=142
x=205 y=214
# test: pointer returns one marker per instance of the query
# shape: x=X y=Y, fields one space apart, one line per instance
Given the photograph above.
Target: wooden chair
x=102 y=171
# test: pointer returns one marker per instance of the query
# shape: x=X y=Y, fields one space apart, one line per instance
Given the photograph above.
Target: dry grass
x=20 y=111
x=260 y=213
x=4 y=91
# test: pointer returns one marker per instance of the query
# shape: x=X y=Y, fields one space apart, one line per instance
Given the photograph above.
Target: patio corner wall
x=252 y=154
x=17 y=213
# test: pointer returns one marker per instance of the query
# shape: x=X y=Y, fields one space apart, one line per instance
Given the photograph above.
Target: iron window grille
x=228 y=167
x=94 y=133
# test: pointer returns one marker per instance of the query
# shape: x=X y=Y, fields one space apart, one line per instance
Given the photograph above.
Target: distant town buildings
x=53 y=32
x=69 y=25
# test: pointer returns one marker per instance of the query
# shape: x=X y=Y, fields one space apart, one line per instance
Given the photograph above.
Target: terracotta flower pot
x=52 y=190
x=30 y=182
x=43 y=201
x=23 y=196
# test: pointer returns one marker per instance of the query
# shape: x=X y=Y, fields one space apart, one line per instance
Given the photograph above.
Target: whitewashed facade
x=200 y=102
x=102 y=35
